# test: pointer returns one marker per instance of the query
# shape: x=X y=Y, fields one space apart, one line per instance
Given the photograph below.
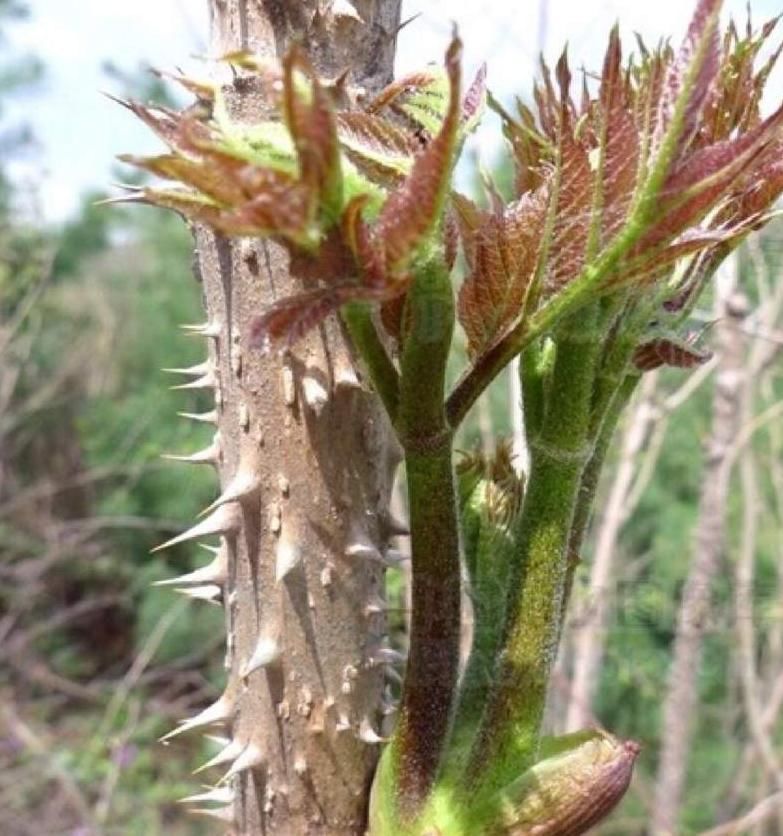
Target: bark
x=306 y=460
x=709 y=543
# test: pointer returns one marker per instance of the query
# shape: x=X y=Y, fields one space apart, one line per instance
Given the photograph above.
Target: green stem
x=488 y=584
x=590 y=477
x=433 y=656
x=508 y=739
x=357 y=317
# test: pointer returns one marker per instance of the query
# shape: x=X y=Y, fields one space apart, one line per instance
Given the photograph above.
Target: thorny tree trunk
x=709 y=542
x=306 y=453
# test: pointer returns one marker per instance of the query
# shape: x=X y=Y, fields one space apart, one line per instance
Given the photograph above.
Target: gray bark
x=307 y=450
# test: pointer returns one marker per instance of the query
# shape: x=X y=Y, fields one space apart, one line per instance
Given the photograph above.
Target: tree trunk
x=709 y=543
x=306 y=459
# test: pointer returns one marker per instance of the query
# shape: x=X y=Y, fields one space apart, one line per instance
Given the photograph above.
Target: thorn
x=315 y=396
x=225 y=814
x=287 y=557
x=344 y=8
x=230 y=751
x=289 y=390
x=220 y=795
x=393 y=526
x=346 y=376
x=343 y=724
x=205 y=329
x=208 y=592
x=393 y=557
x=266 y=653
x=367 y=733
x=389 y=707
x=300 y=766
x=244 y=417
x=223 y=520
x=220 y=711
x=215 y=572
x=251 y=758
x=192 y=371
x=203 y=417
x=374 y=605
x=206 y=381
x=209 y=455
x=245 y=483
x=364 y=550
x=386 y=656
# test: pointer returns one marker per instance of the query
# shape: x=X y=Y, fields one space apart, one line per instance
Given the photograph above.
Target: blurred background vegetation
x=96 y=664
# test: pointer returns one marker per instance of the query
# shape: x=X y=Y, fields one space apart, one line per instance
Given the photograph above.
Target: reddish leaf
x=503 y=251
x=357 y=237
x=694 y=187
x=281 y=207
x=379 y=149
x=573 y=192
x=411 y=212
x=475 y=98
x=692 y=75
x=620 y=141
x=312 y=126
x=663 y=351
x=188 y=204
x=391 y=316
x=205 y=178
x=288 y=320
x=399 y=88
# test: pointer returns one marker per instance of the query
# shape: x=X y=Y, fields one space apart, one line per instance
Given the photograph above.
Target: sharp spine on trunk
x=343 y=8
x=219 y=795
x=374 y=605
x=288 y=556
x=346 y=376
x=219 y=712
x=206 y=381
x=343 y=724
x=230 y=752
x=209 y=455
x=365 y=550
x=245 y=483
x=204 y=329
x=212 y=593
x=215 y=572
x=393 y=526
x=267 y=652
x=251 y=758
x=386 y=656
x=287 y=382
x=315 y=395
x=204 y=417
x=367 y=733
x=192 y=371
x=223 y=520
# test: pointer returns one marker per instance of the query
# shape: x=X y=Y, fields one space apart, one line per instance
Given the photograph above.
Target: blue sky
x=80 y=131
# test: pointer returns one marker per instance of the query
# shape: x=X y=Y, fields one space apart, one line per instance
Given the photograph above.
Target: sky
x=80 y=131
